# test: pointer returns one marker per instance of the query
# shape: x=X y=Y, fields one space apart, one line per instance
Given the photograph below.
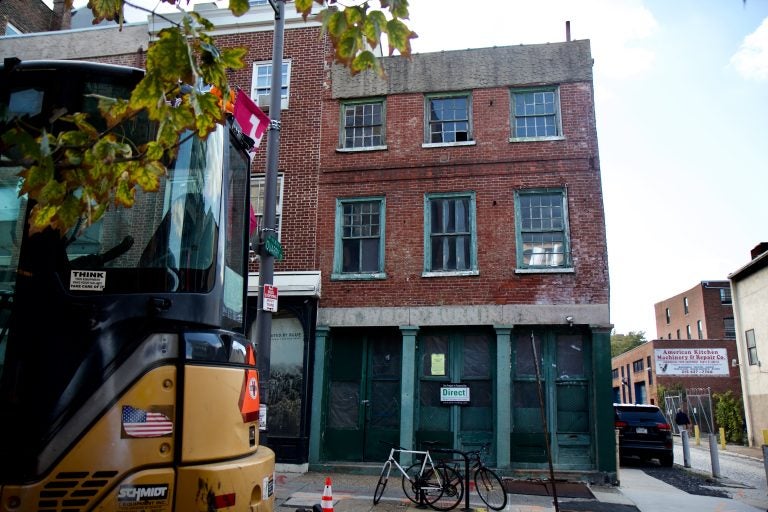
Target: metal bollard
x=686 y=448
x=714 y=456
x=765 y=461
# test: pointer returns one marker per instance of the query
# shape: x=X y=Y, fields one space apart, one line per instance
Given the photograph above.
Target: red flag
x=251 y=119
x=254 y=222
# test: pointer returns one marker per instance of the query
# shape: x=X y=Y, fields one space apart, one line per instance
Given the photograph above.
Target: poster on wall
x=692 y=362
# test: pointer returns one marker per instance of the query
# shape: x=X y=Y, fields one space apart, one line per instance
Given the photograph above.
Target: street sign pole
x=266 y=259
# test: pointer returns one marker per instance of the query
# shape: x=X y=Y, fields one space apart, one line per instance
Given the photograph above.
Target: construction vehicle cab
x=126 y=381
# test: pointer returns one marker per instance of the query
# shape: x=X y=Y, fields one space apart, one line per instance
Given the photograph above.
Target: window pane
x=535 y=114
x=449 y=119
x=363 y=125
x=542 y=226
x=361 y=236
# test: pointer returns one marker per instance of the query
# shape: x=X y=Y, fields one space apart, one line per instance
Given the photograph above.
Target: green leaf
x=70 y=210
x=304 y=7
x=365 y=60
x=147 y=175
x=355 y=15
x=52 y=192
x=42 y=216
x=374 y=24
x=336 y=23
x=399 y=37
x=398 y=8
x=124 y=194
x=239 y=7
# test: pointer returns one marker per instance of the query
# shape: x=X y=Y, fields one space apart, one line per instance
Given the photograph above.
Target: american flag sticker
x=154 y=422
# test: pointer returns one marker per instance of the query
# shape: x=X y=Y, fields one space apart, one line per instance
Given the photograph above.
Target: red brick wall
x=26 y=15
x=299 y=135
x=493 y=168
x=703 y=304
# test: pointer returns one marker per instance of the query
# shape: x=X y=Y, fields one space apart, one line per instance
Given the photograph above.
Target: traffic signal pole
x=268 y=227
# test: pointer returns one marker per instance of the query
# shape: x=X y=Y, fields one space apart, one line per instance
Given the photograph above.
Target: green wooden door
x=363 y=395
x=564 y=366
x=466 y=358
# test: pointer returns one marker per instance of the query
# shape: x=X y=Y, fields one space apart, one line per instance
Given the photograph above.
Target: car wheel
x=666 y=460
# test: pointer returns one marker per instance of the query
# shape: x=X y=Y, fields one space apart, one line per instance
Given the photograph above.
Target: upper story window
x=685 y=305
x=363 y=125
x=725 y=296
x=637 y=366
x=258 y=184
x=535 y=114
x=749 y=337
x=729 y=328
x=700 y=329
x=450 y=244
x=542 y=230
x=261 y=83
x=668 y=315
x=448 y=119
x=10 y=30
x=615 y=373
x=359 y=247
x=688 y=331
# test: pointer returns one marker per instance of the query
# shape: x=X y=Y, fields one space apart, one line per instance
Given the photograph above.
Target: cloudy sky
x=681 y=92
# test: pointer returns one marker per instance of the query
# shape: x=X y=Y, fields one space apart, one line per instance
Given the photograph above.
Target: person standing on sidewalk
x=682 y=420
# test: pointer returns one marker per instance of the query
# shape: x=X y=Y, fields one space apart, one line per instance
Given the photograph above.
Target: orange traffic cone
x=327 y=502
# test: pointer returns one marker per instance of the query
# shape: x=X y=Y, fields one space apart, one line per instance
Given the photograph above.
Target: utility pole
x=268 y=227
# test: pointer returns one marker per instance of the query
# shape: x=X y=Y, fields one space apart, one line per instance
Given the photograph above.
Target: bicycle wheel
x=410 y=482
x=382 y=484
x=490 y=488
x=450 y=484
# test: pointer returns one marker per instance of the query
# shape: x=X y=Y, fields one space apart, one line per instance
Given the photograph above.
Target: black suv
x=643 y=432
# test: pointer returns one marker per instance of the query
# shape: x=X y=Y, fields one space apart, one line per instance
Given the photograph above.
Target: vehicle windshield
x=173 y=230
x=639 y=414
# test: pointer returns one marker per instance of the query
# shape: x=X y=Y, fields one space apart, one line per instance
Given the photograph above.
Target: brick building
x=28 y=16
x=452 y=215
x=460 y=217
x=701 y=313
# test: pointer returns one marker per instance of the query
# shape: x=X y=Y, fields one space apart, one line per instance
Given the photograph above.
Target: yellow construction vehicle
x=126 y=380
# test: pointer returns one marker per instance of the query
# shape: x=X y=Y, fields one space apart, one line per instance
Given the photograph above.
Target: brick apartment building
x=701 y=313
x=451 y=213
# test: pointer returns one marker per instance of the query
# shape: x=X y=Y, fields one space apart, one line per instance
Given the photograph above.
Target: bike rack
x=466 y=472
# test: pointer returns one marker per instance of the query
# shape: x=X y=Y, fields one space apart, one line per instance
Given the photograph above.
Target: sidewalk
x=638 y=492
x=751 y=452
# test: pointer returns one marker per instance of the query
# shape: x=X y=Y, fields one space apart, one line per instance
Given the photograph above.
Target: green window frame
x=541 y=222
x=450 y=234
x=359 y=247
x=448 y=119
x=363 y=125
x=535 y=114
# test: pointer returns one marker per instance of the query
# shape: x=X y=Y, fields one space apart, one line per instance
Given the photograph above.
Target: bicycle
x=423 y=481
x=488 y=484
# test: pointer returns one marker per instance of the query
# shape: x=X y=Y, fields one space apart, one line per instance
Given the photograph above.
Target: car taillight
x=620 y=424
x=664 y=427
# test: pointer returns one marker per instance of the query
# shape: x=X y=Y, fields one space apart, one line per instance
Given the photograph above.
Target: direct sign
x=454 y=394
x=270 y=298
x=273 y=247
